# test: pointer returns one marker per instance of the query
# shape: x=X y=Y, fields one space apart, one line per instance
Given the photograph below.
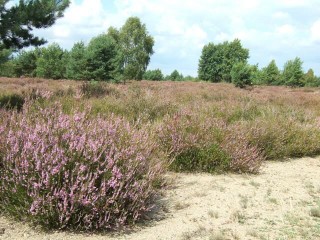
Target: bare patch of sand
x=276 y=204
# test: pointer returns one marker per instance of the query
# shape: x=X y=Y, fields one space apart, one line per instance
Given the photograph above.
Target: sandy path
x=275 y=204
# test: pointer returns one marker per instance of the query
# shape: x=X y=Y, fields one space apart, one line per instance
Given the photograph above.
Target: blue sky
x=273 y=29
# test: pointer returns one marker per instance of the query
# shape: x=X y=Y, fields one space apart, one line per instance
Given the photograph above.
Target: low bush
x=245 y=157
x=210 y=146
x=12 y=101
x=96 y=89
x=73 y=172
x=211 y=159
x=282 y=138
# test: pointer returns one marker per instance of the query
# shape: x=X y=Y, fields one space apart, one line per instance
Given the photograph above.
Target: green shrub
x=241 y=74
x=210 y=159
x=51 y=62
x=26 y=63
x=96 y=89
x=154 y=75
x=281 y=138
x=12 y=101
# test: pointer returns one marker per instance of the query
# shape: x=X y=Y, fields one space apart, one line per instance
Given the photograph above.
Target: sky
x=273 y=29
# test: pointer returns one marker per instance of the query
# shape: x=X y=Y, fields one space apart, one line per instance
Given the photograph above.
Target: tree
x=241 y=74
x=26 y=63
x=136 y=47
x=256 y=75
x=189 y=78
x=271 y=74
x=175 y=76
x=292 y=73
x=310 y=80
x=216 y=61
x=103 y=59
x=77 y=62
x=18 y=22
x=7 y=66
x=5 y=55
x=154 y=75
x=51 y=62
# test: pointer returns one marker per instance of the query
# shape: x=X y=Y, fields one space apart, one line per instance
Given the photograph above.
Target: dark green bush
x=210 y=159
x=12 y=101
x=153 y=75
x=96 y=89
x=241 y=74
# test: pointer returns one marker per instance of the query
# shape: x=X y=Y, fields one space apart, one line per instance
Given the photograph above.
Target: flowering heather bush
x=176 y=134
x=244 y=157
x=74 y=172
x=206 y=144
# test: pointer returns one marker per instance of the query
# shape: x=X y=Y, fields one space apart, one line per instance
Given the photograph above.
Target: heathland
x=91 y=156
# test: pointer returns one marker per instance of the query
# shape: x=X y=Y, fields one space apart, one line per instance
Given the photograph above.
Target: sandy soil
x=281 y=202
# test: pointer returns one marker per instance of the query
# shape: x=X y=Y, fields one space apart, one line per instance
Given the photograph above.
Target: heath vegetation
x=92 y=156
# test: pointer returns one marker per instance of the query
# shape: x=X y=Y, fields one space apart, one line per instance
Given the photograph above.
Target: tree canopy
x=241 y=74
x=136 y=47
x=217 y=60
x=18 y=21
x=293 y=73
x=271 y=74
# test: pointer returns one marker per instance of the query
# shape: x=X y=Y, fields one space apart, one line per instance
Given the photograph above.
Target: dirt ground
x=282 y=202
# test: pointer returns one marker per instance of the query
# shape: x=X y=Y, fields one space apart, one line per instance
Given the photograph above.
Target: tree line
x=121 y=54
x=115 y=55
x=228 y=61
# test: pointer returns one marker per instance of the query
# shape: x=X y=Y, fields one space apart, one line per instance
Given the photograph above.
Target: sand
x=278 y=203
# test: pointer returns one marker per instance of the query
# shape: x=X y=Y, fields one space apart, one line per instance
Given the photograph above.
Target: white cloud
x=61 y=31
x=315 y=31
x=285 y=29
x=294 y=3
x=281 y=15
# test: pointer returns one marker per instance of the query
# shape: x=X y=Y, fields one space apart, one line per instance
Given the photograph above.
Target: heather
x=92 y=155
x=70 y=171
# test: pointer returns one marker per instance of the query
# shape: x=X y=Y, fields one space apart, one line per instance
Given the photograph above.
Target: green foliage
x=18 y=22
x=6 y=64
x=77 y=62
x=154 y=75
x=51 y=62
x=26 y=63
x=310 y=80
x=278 y=138
x=293 y=73
x=102 y=58
x=217 y=61
x=11 y=101
x=270 y=75
x=7 y=69
x=175 y=76
x=96 y=89
x=5 y=55
x=210 y=159
x=241 y=74
x=256 y=75
x=136 y=46
x=189 y=78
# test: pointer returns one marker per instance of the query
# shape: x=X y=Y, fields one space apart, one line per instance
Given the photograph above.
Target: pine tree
x=18 y=21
